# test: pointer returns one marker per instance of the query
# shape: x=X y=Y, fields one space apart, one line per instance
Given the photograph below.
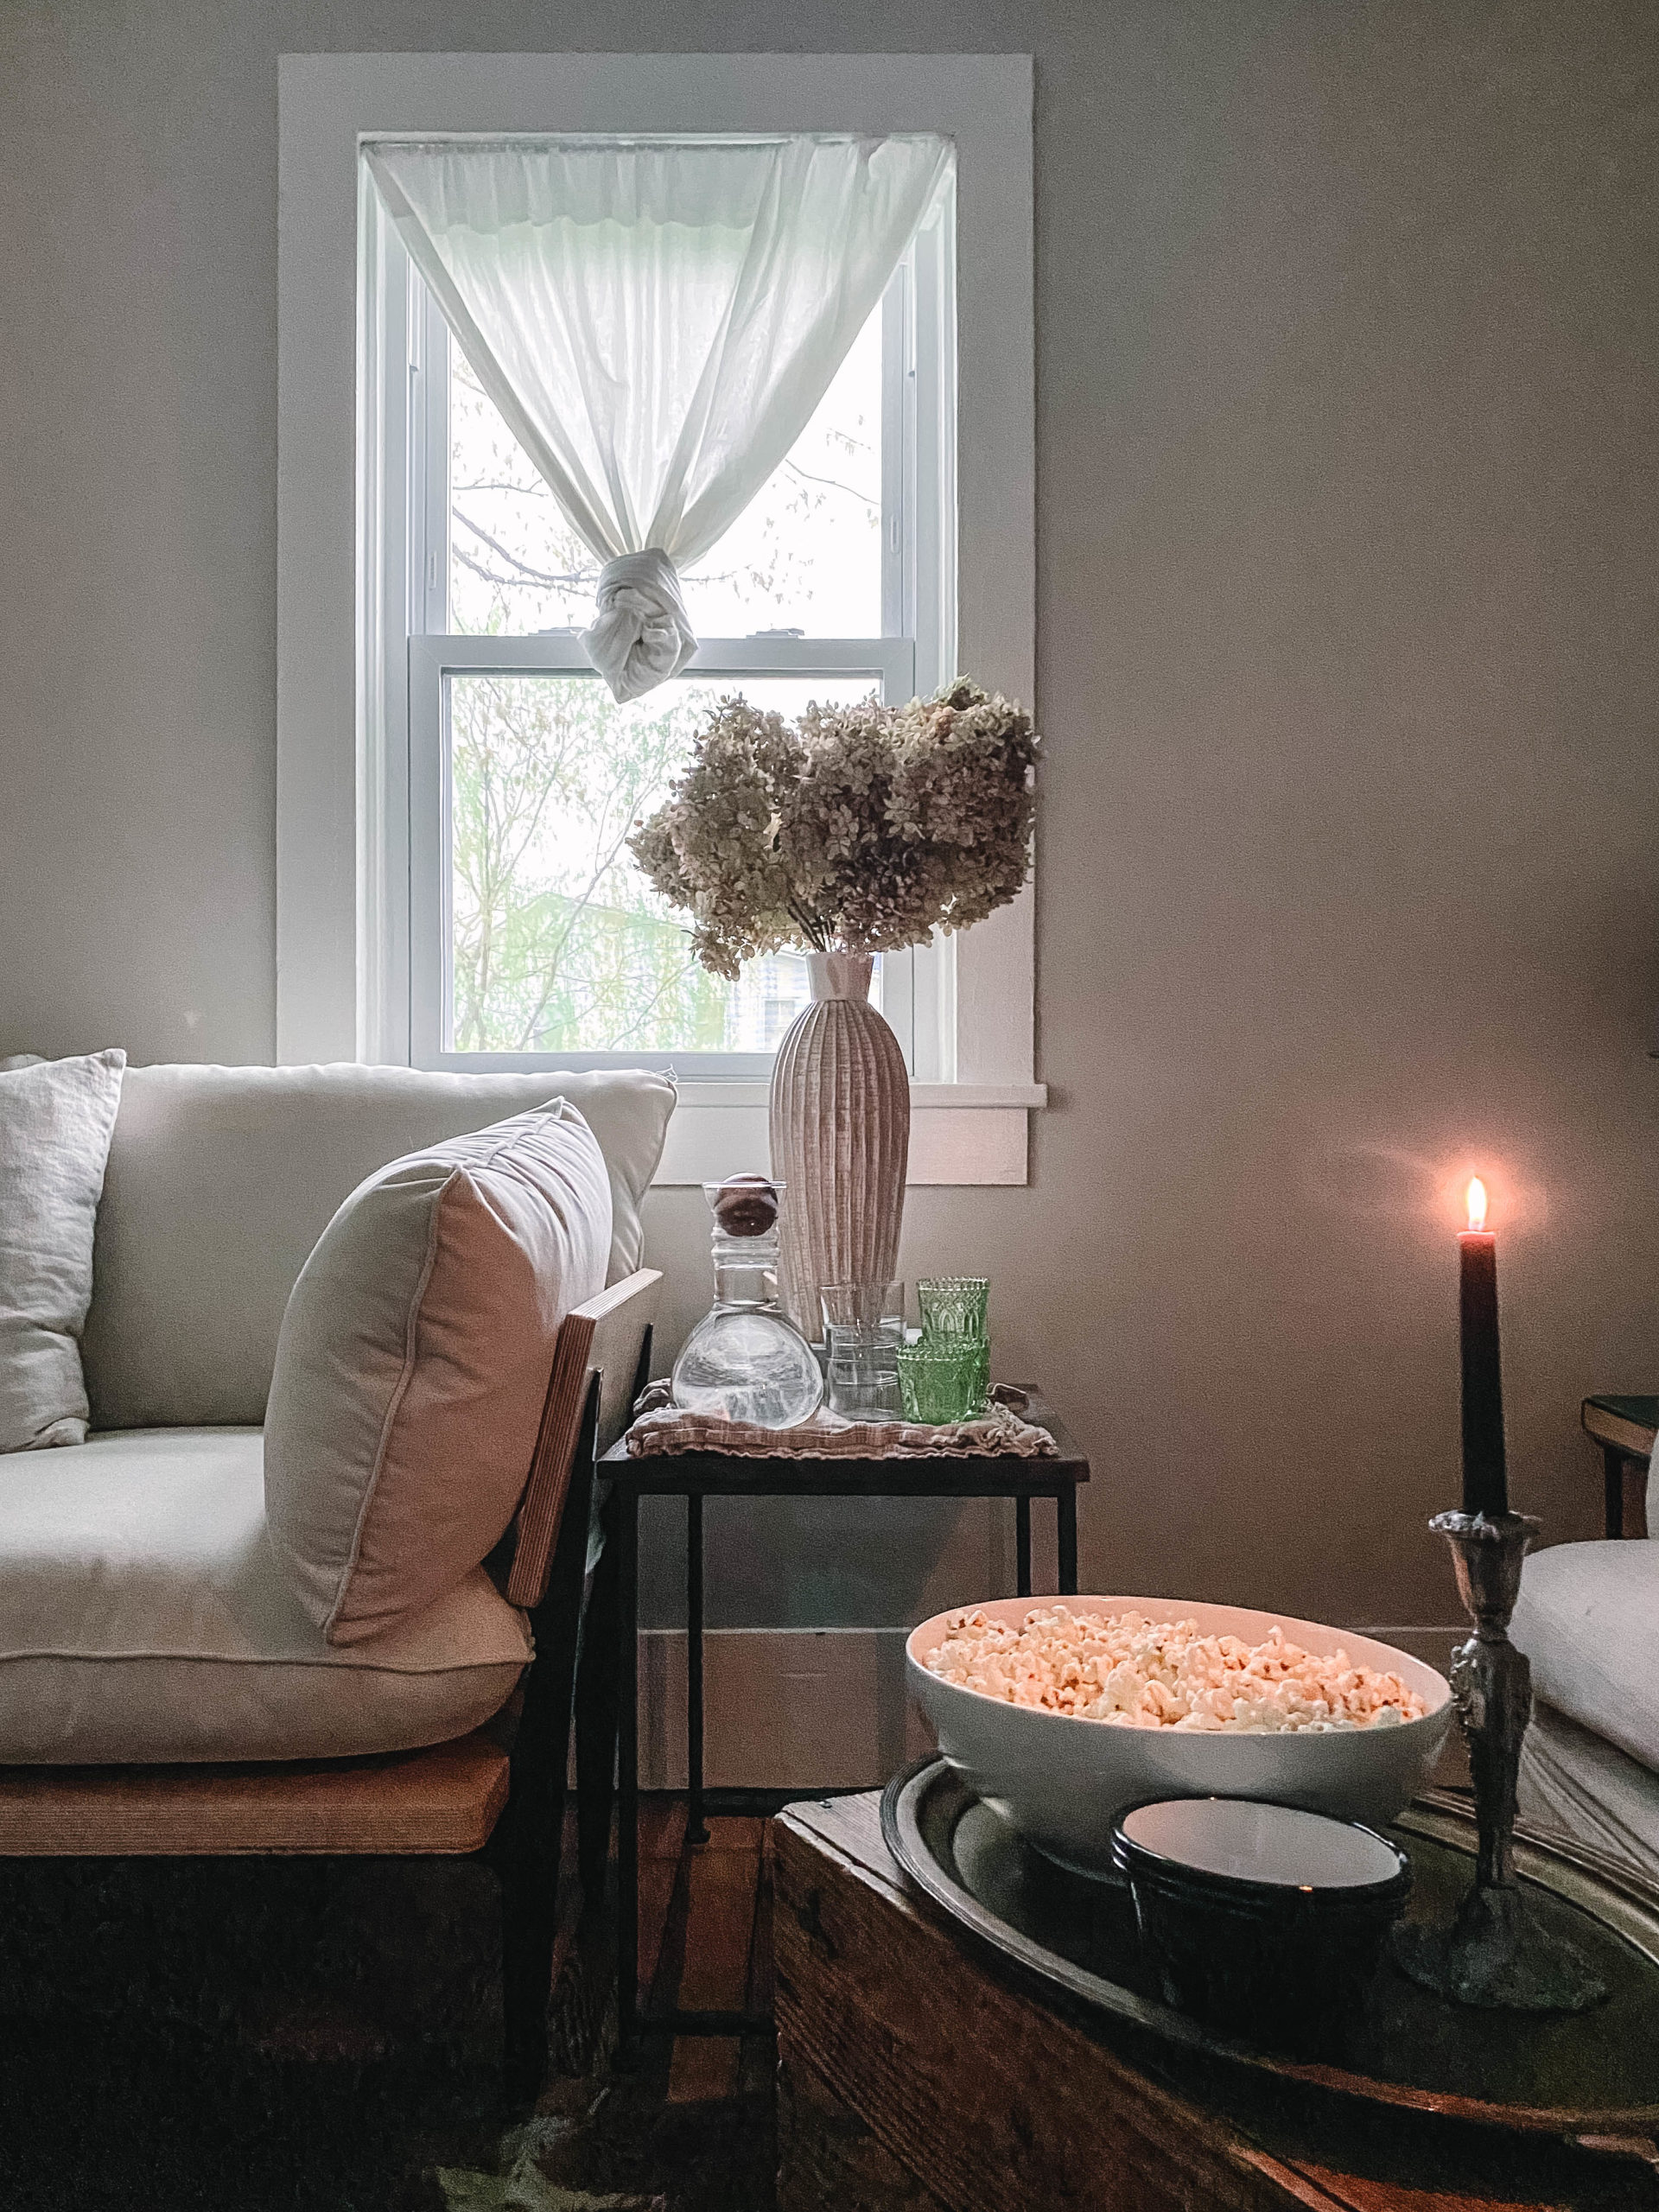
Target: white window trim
x=336 y=794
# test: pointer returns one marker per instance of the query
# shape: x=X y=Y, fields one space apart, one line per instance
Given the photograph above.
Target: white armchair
x=163 y=1692
x=1588 y=1620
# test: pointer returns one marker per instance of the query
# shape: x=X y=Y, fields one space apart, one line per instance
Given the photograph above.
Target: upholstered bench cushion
x=143 y=1617
x=1588 y=1619
x=1576 y=1781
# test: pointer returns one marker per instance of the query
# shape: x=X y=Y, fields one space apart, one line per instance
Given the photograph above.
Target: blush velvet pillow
x=413 y=1361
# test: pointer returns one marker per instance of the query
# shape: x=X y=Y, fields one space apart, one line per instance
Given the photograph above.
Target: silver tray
x=1591 y=2077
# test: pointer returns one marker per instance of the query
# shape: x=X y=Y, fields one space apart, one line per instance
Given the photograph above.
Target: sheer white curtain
x=656 y=322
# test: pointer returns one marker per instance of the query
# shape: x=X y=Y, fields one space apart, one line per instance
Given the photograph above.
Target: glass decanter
x=743 y=1361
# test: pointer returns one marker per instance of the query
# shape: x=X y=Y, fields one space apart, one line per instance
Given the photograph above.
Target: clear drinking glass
x=941 y=1381
x=954 y=1308
x=864 y=1329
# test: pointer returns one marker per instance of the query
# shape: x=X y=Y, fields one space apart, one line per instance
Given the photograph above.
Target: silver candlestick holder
x=1497 y=1952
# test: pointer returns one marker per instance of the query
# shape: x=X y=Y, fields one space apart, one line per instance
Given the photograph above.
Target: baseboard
x=815 y=1708
x=783 y=1709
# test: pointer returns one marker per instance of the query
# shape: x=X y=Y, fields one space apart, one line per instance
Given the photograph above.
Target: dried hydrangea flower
x=862 y=827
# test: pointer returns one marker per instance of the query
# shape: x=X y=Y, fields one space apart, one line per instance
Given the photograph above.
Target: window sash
x=889 y=663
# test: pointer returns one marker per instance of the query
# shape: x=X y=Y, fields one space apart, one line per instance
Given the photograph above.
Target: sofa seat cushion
x=143 y=1617
x=1588 y=1619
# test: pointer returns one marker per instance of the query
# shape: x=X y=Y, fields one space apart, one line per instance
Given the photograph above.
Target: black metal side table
x=697 y=1475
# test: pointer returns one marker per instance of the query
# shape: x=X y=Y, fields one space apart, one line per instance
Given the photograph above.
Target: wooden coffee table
x=917 y=2074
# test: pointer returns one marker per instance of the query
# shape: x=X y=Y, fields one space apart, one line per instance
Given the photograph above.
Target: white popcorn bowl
x=1063 y=1782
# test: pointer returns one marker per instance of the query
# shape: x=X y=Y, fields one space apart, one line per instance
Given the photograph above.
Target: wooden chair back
x=601 y=1340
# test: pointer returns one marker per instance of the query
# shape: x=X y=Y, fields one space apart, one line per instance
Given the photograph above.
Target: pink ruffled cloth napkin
x=998 y=1433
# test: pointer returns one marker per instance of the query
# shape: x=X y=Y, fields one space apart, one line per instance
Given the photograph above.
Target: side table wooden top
x=918 y=2075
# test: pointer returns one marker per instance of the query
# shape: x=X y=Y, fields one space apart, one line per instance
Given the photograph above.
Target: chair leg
x=532 y=1832
x=597 y=1681
x=1612 y=1489
x=528 y=1928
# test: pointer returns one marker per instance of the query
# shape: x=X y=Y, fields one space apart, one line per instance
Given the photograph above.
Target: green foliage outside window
x=558 y=943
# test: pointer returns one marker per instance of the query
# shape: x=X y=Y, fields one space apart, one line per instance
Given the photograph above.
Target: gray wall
x=1346 y=347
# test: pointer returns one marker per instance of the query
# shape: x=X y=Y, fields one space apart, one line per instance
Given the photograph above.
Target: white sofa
x=1588 y=1620
x=143 y=1617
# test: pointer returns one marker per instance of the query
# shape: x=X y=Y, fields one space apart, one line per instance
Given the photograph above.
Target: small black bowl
x=1264 y=1922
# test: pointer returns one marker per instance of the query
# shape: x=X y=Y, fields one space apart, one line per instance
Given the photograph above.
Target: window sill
x=960 y=1133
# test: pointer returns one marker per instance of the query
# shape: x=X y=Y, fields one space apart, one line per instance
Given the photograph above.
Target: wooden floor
x=692 y=2117
x=705 y=1939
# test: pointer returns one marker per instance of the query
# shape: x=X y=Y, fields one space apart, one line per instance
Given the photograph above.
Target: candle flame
x=1476 y=1203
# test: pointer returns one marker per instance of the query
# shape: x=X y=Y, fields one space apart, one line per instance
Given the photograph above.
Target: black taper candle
x=1485 y=1485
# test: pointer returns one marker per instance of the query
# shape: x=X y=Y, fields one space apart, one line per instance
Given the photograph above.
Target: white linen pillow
x=55 y=1120
x=414 y=1359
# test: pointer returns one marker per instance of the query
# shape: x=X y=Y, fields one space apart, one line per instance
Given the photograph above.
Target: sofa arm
x=605 y=1341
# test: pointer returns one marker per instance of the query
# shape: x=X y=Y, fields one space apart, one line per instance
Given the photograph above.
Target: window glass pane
x=805 y=554
x=557 y=942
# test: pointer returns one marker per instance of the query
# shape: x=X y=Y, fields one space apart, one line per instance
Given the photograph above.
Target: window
x=531 y=938
x=427 y=608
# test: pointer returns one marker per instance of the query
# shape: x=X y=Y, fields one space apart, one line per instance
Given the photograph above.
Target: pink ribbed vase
x=840 y=1140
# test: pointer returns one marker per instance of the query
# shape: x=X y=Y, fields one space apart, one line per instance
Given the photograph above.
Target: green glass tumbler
x=942 y=1381
x=954 y=1308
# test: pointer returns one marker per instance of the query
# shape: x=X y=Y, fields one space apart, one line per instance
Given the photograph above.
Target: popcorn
x=1129 y=1671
